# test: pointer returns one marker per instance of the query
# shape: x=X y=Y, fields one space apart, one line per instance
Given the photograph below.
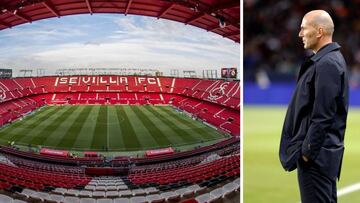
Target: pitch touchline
x=348 y=189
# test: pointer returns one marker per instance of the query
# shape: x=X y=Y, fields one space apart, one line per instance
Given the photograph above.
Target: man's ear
x=320 y=32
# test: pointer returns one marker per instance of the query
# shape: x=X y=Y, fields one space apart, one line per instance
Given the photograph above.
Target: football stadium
x=121 y=135
x=272 y=58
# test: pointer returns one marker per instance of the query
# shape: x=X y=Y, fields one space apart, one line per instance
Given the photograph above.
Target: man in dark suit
x=312 y=139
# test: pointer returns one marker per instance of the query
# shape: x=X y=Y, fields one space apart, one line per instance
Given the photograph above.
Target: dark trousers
x=314 y=186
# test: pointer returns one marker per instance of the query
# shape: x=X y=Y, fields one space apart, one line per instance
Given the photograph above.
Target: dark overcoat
x=315 y=121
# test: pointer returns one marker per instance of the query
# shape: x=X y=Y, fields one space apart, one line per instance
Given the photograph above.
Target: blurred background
x=273 y=53
x=273 y=48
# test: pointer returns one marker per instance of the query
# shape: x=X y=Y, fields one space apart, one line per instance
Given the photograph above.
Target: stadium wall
x=280 y=94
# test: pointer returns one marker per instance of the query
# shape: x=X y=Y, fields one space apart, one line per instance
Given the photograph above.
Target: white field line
x=348 y=189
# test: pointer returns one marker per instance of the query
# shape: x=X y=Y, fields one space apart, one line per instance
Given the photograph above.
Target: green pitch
x=107 y=128
x=264 y=178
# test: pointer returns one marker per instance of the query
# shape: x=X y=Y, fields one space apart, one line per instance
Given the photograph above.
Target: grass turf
x=264 y=178
x=107 y=128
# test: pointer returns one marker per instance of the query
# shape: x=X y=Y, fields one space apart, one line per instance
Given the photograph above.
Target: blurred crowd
x=272 y=49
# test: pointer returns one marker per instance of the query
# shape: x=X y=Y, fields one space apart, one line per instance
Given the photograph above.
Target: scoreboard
x=5 y=73
x=228 y=73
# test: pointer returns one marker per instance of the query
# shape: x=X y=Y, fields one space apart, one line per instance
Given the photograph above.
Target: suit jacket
x=315 y=121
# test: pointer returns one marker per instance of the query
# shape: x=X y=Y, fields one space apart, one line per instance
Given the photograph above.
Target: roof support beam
x=51 y=8
x=5 y=24
x=128 y=7
x=166 y=10
x=214 y=10
x=89 y=6
x=212 y=29
x=15 y=11
x=21 y=16
x=231 y=34
x=194 y=18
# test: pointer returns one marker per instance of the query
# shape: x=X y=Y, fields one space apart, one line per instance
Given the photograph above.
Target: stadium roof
x=218 y=16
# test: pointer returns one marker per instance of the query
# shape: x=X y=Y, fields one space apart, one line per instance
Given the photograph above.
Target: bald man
x=312 y=139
